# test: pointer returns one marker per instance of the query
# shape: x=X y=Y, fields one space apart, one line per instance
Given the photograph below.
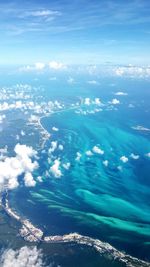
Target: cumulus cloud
x=97 y=150
x=56 y=65
x=87 y=101
x=60 y=147
x=66 y=165
x=24 y=257
x=133 y=156
x=12 y=167
x=39 y=66
x=78 y=156
x=132 y=71
x=53 y=146
x=115 y=101
x=54 y=169
x=28 y=180
x=55 y=129
x=22 y=133
x=89 y=153
x=121 y=93
x=97 y=101
x=105 y=163
x=124 y=159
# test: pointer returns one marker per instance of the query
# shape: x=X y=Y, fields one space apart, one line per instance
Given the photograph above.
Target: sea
x=100 y=126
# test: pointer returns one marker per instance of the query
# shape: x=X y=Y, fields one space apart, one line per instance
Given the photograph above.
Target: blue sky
x=79 y=31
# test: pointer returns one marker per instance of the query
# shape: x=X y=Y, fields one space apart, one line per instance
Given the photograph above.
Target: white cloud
x=43 y=13
x=148 y=154
x=39 y=179
x=17 y=137
x=97 y=101
x=115 y=101
x=133 y=156
x=97 y=150
x=66 y=165
x=28 y=180
x=2 y=117
x=78 y=156
x=121 y=93
x=140 y=128
x=24 y=151
x=4 y=150
x=54 y=169
x=89 y=153
x=124 y=159
x=55 y=129
x=56 y=65
x=60 y=147
x=24 y=257
x=132 y=71
x=53 y=146
x=39 y=66
x=22 y=133
x=92 y=82
x=119 y=71
x=105 y=163
x=12 y=167
x=87 y=101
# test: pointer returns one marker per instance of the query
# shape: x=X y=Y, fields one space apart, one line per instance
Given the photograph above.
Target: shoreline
x=31 y=233
x=44 y=133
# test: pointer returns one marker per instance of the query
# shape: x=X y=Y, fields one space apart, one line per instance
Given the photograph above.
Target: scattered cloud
x=78 y=156
x=115 y=101
x=12 y=167
x=54 y=169
x=89 y=153
x=105 y=163
x=140 y=128
x=24 y=257
x=133 y=156
x=97 y=101
x=66 y=165
x=28 y=180
x=55 y=129
x=38 y=66
x=42 y=13
x=87 y=101
x=60 y=147
x=56 y=65
x=97 y=150
x=132 y=71
x=53 y=147
x=124 y=159
x=121 y=93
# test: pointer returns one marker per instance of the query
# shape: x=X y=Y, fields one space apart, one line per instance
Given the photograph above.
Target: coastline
x=31 y=233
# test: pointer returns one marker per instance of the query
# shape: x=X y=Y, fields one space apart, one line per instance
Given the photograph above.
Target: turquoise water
x=111 y=203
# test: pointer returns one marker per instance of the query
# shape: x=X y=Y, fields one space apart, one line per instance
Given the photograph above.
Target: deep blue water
x=111 y=202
